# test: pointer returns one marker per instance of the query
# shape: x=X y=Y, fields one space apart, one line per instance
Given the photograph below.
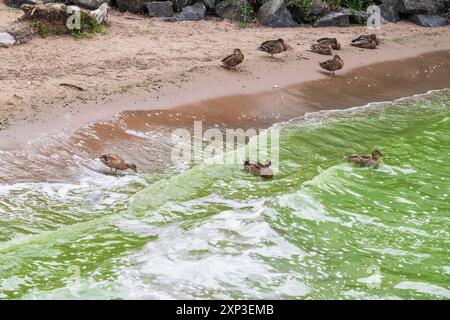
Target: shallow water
x=320 y=229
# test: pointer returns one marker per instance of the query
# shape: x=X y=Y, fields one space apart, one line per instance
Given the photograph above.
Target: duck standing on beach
x=115 y=162
x=321 y=49
x=258 y=169
x=233 y=60
x=273 y=46
x=332 y=65
x=367 y=41
x=365 y=160
x=331 y=42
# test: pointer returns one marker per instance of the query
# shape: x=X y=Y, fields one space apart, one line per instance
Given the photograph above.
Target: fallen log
x=57 y=18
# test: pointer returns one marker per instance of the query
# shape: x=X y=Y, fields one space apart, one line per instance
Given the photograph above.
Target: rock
x=191 y=13
x=18 y=3
x=431 y=21
x=273 y=13
x=160 y=9
x=231 y=9
x=408 y=7
x=210 y=5
x=389 y=10
x=334 y=19
x=357 y=16
x=180 y=4
x=6 y=40
x=306 y=14
x=133 y=6
x=90 y=4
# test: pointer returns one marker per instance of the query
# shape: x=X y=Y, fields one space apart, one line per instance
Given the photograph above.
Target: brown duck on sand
x=233 y=60
x=367 y=41
x=332 y=65
x=321 y=49
x=273 y=46
x=365 y=160
x=115 y=162
x=258 y=169
x=332 y=42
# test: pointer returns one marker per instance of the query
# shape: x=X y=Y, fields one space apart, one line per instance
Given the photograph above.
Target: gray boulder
x=408 y=7
x=305 y=14
x=335 y=19
x=273 y=13
x=90 y=4
x=231 y=9
x=210 y=5
x=18 y=3
x=190 y=13
x=133 y=6
x=180 y=4
x=389 y=10
x=6 y=40
x=430 y=21
x=357 y=16
x=160 y=8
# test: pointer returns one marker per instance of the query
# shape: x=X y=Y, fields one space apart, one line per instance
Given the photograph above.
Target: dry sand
x=144 y=63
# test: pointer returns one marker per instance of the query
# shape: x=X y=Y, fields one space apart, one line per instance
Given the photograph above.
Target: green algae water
x=321 y=229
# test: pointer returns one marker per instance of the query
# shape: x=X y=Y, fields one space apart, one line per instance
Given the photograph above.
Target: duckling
x=332 y=64
x=258 y=169
x=321 y=49
x=365 y=160
x=273 y=46
x=113 y=161
x=332 y=42
x=233 y=60
x=367 y=41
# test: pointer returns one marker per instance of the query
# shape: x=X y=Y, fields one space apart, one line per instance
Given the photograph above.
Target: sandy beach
x=143 y=63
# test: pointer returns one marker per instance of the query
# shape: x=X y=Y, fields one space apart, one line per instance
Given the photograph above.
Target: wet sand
x=143 y=137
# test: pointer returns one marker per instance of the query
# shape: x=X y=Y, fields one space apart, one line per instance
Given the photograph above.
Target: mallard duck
x=367 y=41
x=332 y=64
x=233 y=60
x=273 y=46
x=115 y=162
x=365 y=160
x=321 y=49
x=258 y=169
x=332 y=42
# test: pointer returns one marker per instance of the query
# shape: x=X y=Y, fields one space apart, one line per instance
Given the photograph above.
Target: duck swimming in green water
x=365 y=160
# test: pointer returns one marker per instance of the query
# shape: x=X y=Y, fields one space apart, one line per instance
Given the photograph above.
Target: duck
x=365 y=160
x=233 y=60
x=332 y=42
x=259 y=169
x=115 y=162
x=273 y=46
x=367 y=41
x=321 y=49
x=332 y=64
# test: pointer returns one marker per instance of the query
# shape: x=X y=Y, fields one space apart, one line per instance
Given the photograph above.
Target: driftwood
x=57 y=18
x=22 y=32
x=72 y=86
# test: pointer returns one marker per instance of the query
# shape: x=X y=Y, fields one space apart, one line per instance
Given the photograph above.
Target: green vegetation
x=43 y=30
x=247 y=15
x=89 y=27
x=306 y=4
x=360 y=5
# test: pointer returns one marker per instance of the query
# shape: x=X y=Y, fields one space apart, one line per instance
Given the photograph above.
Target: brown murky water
x=144 y=137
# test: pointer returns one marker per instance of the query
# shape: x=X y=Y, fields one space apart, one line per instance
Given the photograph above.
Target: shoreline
x=39 y=152
x=230 y=85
